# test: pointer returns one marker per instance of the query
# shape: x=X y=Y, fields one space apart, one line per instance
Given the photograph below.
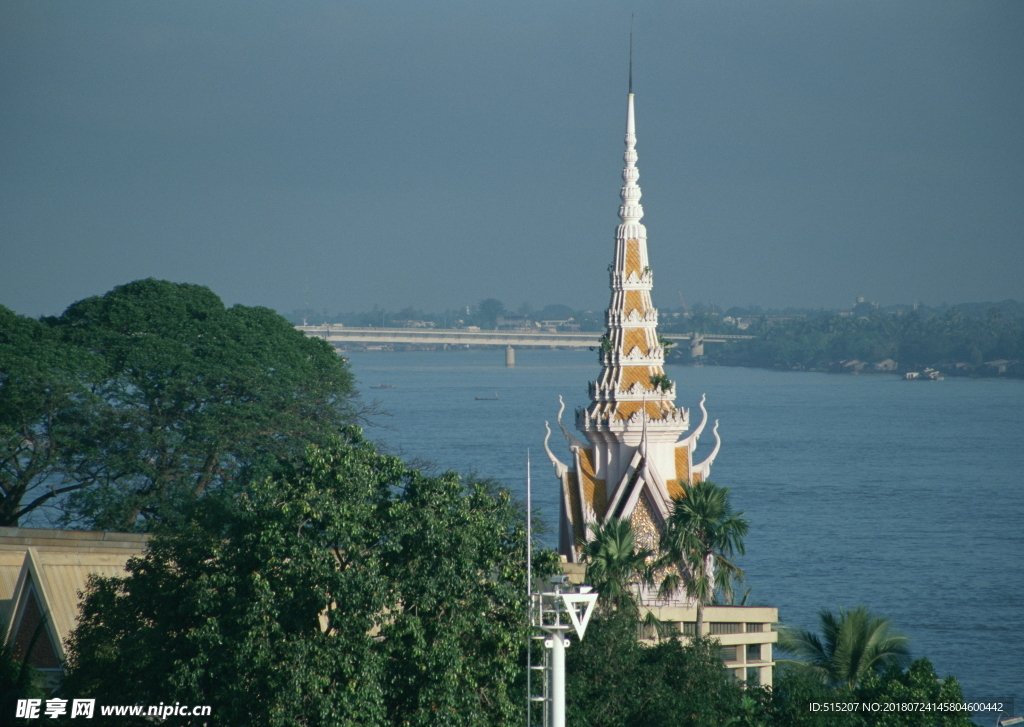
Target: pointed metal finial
x=631 y=52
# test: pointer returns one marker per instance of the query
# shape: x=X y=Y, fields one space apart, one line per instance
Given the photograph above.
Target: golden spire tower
x=634 y=461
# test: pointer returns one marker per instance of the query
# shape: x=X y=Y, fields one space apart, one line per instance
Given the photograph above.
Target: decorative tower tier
x=634 y=462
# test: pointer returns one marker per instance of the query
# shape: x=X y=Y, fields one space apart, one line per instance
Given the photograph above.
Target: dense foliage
x=614 y=681
x=134 y=404
x=48 y=403
x=348 y=590
x=911 y=339
x=788 y=704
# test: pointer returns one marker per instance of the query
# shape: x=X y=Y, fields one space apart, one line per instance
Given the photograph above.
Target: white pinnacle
x=631 y=210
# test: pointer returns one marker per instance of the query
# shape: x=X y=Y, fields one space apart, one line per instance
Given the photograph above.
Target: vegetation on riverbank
x=952 y=343
x=974 y=339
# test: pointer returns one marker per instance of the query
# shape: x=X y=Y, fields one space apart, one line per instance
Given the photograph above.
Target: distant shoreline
x=947 y=370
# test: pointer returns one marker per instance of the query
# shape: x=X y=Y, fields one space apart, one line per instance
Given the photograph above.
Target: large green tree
x=701 y=536
x=153 y=395
x=47 y=398
x=345 y=590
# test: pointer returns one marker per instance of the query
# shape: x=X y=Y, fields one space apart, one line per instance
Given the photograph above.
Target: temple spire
x=633 y=451
x=630 y=211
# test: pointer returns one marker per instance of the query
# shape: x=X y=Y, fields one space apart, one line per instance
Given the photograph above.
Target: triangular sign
x=580 y=607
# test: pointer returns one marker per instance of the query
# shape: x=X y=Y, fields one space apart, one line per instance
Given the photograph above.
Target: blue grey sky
x=343 y=155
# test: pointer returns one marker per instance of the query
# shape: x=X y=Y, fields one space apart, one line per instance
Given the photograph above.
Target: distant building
x=515 y=322
x=568 y=324
x=862 y=307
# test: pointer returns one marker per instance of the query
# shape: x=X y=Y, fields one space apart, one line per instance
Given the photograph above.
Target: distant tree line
x=912 y=339
x=970 y=334
x=485 y=315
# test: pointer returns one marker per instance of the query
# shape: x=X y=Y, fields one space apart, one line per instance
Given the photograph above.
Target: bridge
x=510 y=339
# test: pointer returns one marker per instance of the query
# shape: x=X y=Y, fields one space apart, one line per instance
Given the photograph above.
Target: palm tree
x=699 y=540
x=853 y=644
x=614 y=564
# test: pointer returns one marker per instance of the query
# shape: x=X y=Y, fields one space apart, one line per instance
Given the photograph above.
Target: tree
x=698 y=542
x=195 y=399
x=18 y=679
x=917 y=685
x=614 y=681
x=852 y=645
x=347 y=589
x=791 y=693
x=489 y=311
x=47 y=397
x=614 y=564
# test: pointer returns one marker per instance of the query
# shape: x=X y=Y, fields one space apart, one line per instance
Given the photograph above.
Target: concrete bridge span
x=338 y=334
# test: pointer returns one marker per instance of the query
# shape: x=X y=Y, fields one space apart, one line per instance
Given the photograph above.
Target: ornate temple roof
x=635 y=460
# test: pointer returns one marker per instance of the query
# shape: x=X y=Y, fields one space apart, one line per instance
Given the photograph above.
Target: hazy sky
x=343 y=154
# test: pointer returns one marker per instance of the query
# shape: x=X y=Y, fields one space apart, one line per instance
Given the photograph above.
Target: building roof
x=42 y=576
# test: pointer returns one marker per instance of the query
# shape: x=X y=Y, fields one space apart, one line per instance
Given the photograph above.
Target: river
x=907 y=497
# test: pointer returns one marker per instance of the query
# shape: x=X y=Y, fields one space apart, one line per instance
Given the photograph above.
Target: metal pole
x=558 y=678
x=529 y=597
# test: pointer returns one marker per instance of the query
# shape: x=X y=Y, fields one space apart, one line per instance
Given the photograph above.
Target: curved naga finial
x=560 y=469
x=573 y=442
x=691 y=440
x=704 y=468
x=642 y=449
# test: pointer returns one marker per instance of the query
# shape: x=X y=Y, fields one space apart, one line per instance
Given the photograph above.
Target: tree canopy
x=852 y=646
x=140 y=401
x=614 y=681
x=347 y=589
x=47 y=402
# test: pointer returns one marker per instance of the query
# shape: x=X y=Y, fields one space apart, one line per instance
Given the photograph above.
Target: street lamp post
x=554 y=611
x=563 y=608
